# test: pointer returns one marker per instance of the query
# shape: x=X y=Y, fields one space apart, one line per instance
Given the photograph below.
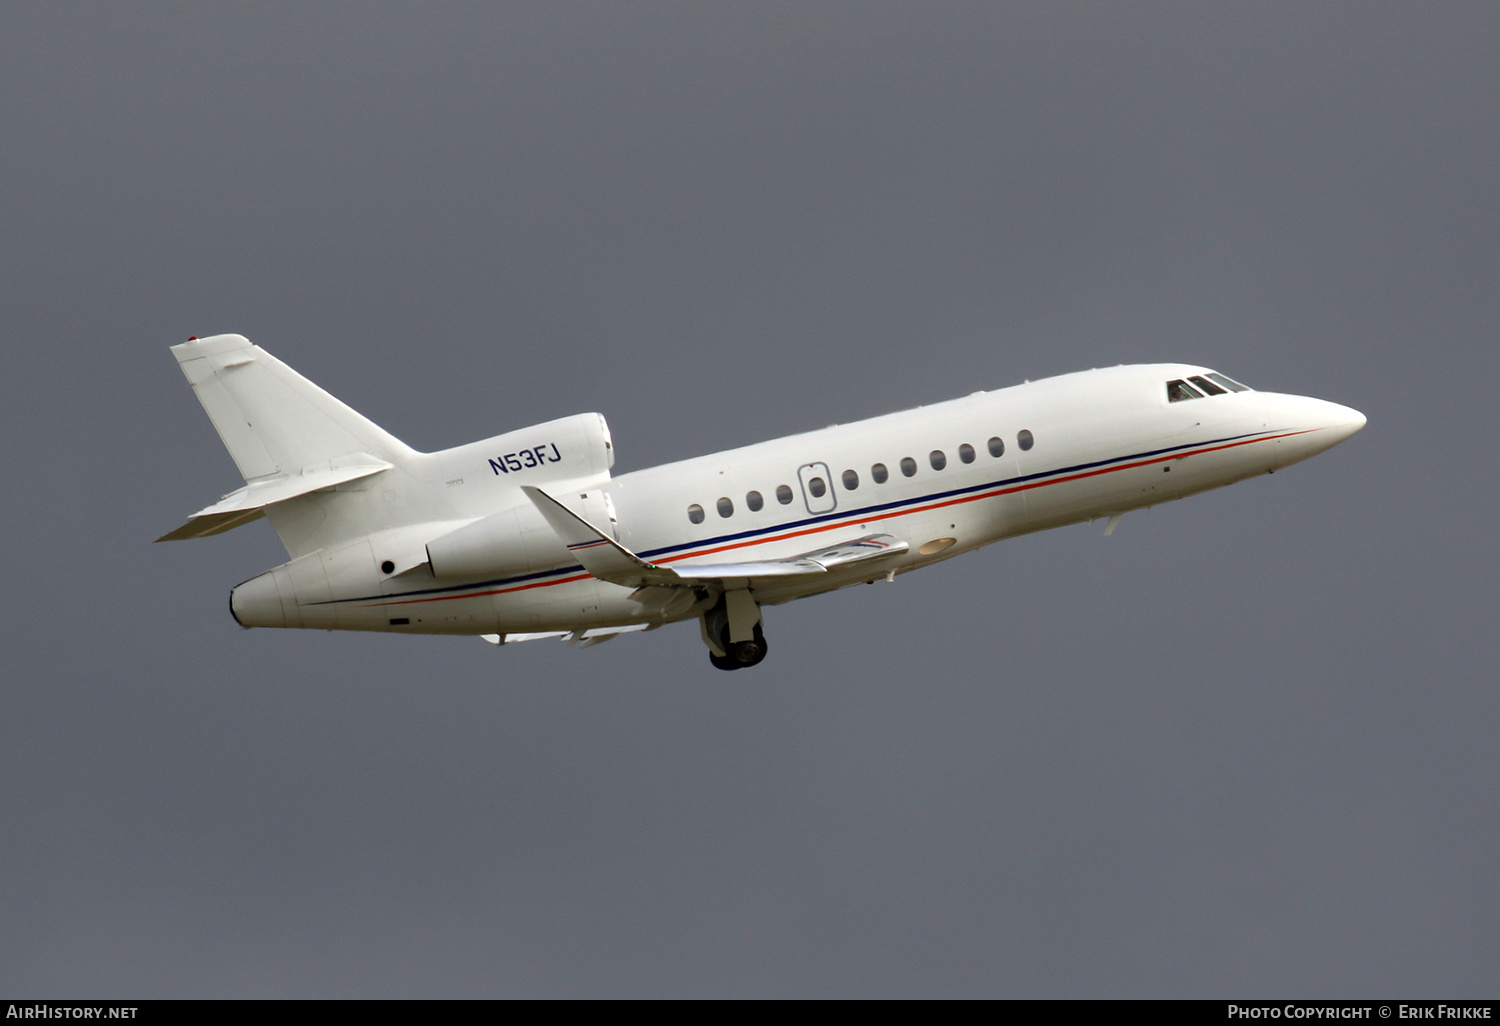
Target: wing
x=576 y=639
x=608 y=560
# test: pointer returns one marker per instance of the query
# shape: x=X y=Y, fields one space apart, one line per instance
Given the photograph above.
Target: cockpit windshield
x=1198 y=386
x=1229 y=383
x=1179 y=390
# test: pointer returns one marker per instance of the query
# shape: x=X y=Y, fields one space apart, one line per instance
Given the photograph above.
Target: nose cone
x=1336 y=422
x=1311 y=425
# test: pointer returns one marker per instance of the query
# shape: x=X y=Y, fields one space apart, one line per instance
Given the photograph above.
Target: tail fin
x=292 y=441
x=272 y=419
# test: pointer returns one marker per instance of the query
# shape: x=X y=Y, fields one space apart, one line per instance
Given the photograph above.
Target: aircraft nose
x=1340 y=422
x=1316 y=425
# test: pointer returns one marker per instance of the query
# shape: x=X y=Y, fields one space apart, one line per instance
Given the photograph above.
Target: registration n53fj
x=528 y=535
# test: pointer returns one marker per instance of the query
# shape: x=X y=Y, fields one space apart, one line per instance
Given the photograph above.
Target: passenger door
x=817 y=487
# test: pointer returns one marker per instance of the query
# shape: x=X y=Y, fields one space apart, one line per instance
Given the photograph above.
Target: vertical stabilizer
x=320 y=472
x=272 y=419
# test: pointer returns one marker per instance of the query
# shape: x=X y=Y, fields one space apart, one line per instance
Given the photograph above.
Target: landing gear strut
x=732 y=631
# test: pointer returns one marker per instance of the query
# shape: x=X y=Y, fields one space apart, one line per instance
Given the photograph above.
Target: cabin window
x=851 y=480
x=1024 y=439
x=1179 y=391
x=966 y=453
x=908 y=466
x=754 y=502
x=879 y=473
x=784 y=494
x=937 y=459
x=1229 y=383
x=997 y=447
x=817 y=486
x=1206 y=386
x=726 y=507
x=695 y=513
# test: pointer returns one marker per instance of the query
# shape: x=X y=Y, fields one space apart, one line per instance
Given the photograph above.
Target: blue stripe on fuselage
x=864 y=511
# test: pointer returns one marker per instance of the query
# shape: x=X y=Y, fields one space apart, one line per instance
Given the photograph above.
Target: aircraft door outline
x=812 y=477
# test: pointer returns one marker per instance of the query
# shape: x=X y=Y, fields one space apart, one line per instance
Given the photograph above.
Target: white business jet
x=526 y=535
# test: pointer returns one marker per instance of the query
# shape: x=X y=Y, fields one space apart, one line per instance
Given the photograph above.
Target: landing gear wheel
x=716 y=631
x=740 y=654
x=747 y=653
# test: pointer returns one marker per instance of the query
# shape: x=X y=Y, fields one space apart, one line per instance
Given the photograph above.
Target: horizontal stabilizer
x=608 y=560
x=201 y=525
x=246 y=504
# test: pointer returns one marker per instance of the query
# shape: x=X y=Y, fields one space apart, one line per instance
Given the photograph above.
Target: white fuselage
x=1101 y=443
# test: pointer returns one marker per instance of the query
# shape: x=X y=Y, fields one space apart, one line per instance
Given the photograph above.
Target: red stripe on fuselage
x=992 y=493
x=892 y=514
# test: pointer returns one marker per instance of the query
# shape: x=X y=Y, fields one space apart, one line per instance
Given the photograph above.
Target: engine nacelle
x=517 y=540
x=571 y=448
x=570 y=458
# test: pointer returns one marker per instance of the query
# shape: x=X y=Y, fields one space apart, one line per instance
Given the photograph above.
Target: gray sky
x=1246 y=746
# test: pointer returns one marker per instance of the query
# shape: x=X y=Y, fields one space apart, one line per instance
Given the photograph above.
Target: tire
x=748 y=653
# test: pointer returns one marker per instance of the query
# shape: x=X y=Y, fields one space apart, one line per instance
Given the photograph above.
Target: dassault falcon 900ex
x=526 y=535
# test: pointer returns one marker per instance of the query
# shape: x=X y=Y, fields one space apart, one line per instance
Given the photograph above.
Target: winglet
x=600 y=555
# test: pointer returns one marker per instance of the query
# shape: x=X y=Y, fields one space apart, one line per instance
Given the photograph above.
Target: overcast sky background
x=1244 y=747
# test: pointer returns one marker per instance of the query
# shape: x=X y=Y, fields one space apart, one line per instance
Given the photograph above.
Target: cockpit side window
x=1207 y=387
x=1179 y=390
x=1229 y=383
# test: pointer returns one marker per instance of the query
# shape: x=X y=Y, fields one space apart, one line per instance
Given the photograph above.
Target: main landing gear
x=741 y=654
x=732 y=631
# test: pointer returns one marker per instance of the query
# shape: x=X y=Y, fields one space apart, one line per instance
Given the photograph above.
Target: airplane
x=526 y=535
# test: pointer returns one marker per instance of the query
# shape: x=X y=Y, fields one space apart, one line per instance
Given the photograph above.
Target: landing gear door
x=817 y=487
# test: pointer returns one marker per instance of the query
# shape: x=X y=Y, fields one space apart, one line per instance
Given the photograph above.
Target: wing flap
x=818 y=561
x=576 y=639
x=764 y=568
